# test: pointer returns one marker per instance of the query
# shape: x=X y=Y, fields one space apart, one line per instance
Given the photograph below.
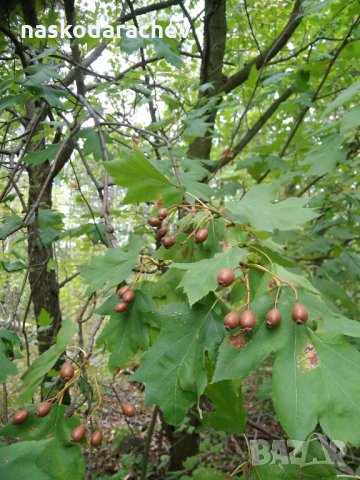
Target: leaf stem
x=260 y=267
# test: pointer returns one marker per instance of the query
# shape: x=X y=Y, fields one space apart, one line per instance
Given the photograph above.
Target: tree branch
x=75 y=50
x=242 y=75
x=250 y=134
x=18 y=47
x=121 y=20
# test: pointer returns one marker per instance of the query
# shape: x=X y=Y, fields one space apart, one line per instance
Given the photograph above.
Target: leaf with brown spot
x=237 y=341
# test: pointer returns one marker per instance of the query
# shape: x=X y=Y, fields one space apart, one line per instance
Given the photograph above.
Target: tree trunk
x=43 y=281
x=182 y=444
x=211 y=69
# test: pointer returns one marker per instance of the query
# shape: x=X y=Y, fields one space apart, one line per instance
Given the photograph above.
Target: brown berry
x=43 y=409
x=247 y=320
x=123 y=289
x=162 y=213
x=273 y=318
x=162 y=231
x=67 y=371
x=225 y=277
x=168 y=242
x=154 y=222
x=20 y=417
x=120 y=307
x=96 y=438
x=78 y=433
x=231 y=320
x=201 y=235
x=299 y=313
x=128 y=409
x=129 y=296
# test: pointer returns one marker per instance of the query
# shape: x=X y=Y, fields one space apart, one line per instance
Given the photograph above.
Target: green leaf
x=40 y=73
x=50 y=223
x=163 y=49
x=143 y=181
x=343 y=97
x=48 y=441
x=14 y=266
x=92 y=145
x=173 y=369
x=44 y=319
x=130 y=45
x=9 y=224
x=52 y=95
x=199 y=189
x=316 y=380
x=229 y=415
x=350 y=122
x=38 y=369
x=113 y=267
x=11 y=336
x=10 y=100
x=279 y=467
x=41 y=156
x=324 y=158
x=302 y=80
x=207 y=270
x=257 y=208
x=195 y=127
x=207 y=474
x=127 y=332
x=7 y=367
x=21 y=457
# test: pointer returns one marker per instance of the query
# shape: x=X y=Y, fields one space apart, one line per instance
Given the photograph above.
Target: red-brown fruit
x=129 y=296
x=20 y=417
x=162 y=231
x=162 y=213
x=78 y=433
x=96 y=438
x=247 y=320
x=299 y=313
x=231 y=320
x=128 y=409
x=168 y=242
x=201 y=235
x=123 y=290
x=120 y=307
x=225 y=277
x=43 y=409
x=67 y=371
x=154 y=222
x=273 y=318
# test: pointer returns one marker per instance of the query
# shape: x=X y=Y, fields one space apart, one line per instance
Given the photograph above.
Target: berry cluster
x=127 y=296
x=69 y=374
x=247 y=319
x=161 y=222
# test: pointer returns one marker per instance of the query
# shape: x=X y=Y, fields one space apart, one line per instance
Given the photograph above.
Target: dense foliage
x=158 y=163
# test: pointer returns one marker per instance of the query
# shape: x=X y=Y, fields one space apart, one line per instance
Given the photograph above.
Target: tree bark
x=211 y=69
x=43 y=280
x=182 y=444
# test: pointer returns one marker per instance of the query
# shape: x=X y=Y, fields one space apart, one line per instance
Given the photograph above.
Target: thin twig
x=149 y=435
